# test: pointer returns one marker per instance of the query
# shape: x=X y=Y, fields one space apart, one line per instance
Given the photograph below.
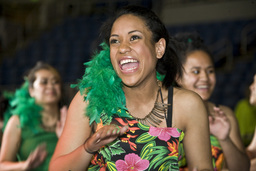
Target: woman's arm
x=69 y=153
x=74 y=148
x=10 y=147
x=194 y=120
x=233 y=149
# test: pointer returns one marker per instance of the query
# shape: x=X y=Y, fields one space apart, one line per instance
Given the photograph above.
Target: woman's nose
x=50 y=84
x=204 y=75
x=124 y=47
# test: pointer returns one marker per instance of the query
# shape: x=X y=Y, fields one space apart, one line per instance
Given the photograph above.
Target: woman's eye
x=135 y=37
x=195 y=72
x=113 y=41
x=55 y=82
x=44 y=82
x=211 y=71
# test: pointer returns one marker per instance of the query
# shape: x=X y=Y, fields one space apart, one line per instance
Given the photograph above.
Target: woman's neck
x=141 y=94
x=141 y=100
x=50 y=117
x=50 y=109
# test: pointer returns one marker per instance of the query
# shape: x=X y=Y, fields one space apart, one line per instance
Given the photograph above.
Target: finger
x=211 y=119
x=124 y=129
x=42 y=156
x=108 y=131
x=95 y=138
x=216 y=110
x=37 y=156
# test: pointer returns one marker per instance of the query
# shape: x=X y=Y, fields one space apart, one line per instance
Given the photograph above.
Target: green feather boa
x=102 y=87
x=25 y=107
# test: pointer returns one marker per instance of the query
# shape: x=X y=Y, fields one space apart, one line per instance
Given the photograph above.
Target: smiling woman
x=199 y=76
x=127 y=114
x=31 y=133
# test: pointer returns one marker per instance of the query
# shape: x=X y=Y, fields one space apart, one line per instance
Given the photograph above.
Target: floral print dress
x=141 y=148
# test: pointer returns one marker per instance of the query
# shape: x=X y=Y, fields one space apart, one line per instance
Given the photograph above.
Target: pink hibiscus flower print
x=132 y=162
x=164 y=133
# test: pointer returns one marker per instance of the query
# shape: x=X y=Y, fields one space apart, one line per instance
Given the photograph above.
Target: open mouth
x=129 y=65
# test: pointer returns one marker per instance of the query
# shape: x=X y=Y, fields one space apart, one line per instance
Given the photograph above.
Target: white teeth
x=125 y=61
x=203 y=86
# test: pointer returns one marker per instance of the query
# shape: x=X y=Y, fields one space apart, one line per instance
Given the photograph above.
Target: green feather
x=25 y=107
x=103 y=88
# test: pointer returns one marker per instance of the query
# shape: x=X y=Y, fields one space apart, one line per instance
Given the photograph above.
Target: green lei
x=103 y=88
x=23 y=105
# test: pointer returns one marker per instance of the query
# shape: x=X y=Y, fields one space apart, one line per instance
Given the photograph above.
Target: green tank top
x=31 y=139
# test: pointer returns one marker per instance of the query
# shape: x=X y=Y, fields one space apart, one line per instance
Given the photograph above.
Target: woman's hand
x=36 y=157
x=103 y=136
x=61 y=122
x=219 y=124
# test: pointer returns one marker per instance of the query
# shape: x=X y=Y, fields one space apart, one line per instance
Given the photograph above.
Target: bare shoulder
x=14 y=119
x=183 y=97
x=11 y=139
x=188 y=108
x=78 y=100
x=77 y=107
x=13 y=123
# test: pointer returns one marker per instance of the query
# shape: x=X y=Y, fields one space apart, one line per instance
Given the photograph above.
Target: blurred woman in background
x=228 y=151
x=32 y=132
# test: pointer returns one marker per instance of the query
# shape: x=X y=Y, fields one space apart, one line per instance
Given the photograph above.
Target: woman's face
x=199 y=74
x=46 y=88
x=253 y=92
x=132 y=53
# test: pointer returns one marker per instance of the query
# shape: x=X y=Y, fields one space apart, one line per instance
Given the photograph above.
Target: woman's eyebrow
x=133 y=31
x=116 y=35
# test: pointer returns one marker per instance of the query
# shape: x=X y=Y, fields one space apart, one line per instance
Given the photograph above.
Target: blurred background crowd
x=63 y=33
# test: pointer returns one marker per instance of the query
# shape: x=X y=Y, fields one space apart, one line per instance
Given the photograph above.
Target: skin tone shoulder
x=46 y=91
x=134 y=57
x=199 y=76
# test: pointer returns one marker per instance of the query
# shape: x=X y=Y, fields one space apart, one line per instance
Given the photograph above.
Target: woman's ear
x=160 y=48
x=30 y=90
x=178 y=80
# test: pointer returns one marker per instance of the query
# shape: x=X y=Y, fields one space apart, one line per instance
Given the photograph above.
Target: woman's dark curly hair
x=188 y=43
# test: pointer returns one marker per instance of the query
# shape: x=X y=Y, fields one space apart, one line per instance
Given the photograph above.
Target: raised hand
x=219 y=124
x=103 y=136
x=36 y=157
